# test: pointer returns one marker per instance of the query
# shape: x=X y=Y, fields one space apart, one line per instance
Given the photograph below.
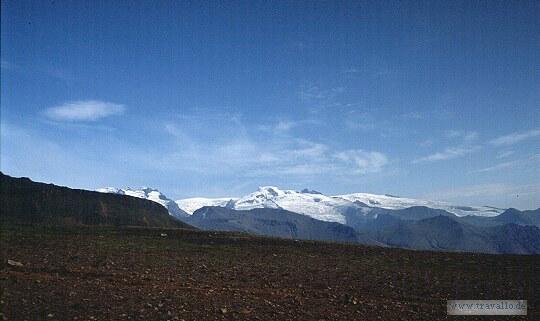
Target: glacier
x=311 y=203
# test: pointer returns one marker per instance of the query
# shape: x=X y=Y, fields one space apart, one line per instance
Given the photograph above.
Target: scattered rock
x=14 y=263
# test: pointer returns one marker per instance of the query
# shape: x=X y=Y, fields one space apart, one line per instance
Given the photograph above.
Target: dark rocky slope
x=23 y=201
x=271 y=222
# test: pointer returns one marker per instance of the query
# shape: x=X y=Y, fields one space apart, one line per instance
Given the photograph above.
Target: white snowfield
x=396 y=203
x=190 y=205
x=327 y=208
x=317 y=206
x=310 y=203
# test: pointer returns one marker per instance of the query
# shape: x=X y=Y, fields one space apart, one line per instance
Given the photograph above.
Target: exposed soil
x=137 y=274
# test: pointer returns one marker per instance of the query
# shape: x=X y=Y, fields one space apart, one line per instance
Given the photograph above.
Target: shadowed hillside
x=23 y=201
x=271 y=222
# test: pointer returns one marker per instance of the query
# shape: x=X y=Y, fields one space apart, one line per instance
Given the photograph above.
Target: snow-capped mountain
x=149 y=194
x=310 y=203
x=395 y=203
x=327 y=208
x=315 y=205
x=306 y=202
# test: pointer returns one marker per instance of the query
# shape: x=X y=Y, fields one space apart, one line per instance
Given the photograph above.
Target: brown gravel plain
x=102 y=273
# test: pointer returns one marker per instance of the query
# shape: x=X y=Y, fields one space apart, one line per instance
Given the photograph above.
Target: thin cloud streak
x=515 y=137
x=470 y=137
x=286 y=126
x=510 y=164
x=505 y=154
x=499 y=166
x=466 y=136
x=448 y=153
x=84 y=110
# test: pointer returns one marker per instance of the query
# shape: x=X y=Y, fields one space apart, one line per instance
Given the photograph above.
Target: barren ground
x=137 y=274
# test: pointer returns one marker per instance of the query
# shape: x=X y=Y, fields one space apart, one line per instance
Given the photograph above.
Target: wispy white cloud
x=315 y=93
x=413 y=115
x=363 y=161
x=360 y=121
x=249 y=154
x=83 y=110
x=58 y=73
x=351 y=70
x=469 y=143
x=515 y=137
x=322 y=97
x=48 y=70
x=286 y=126
x=426 y=143
x=466 y=136
x=382 y=72
x=361 y=124
x=448 y=153
x=534 y=159
x=505 y=154
x=499 y=166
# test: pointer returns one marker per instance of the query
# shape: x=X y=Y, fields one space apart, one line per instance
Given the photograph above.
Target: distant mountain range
x=327 y=208
x=426 y=229
x=311 y=203
x=361 y=218
x=419 y=228
x=364 y=218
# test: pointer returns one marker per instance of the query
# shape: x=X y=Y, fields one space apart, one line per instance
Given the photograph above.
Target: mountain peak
x=271 y=191
x=308 y=191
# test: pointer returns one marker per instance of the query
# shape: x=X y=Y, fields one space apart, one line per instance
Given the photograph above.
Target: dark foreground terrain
x=101 y=273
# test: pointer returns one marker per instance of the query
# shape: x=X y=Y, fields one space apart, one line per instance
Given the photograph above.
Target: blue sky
x=436 y=100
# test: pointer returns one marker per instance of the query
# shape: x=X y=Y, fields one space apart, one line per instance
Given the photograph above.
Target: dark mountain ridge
x=509 y=216
x=417 y=228
x=23 y=201
x=270 y=222
x=447 y=233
